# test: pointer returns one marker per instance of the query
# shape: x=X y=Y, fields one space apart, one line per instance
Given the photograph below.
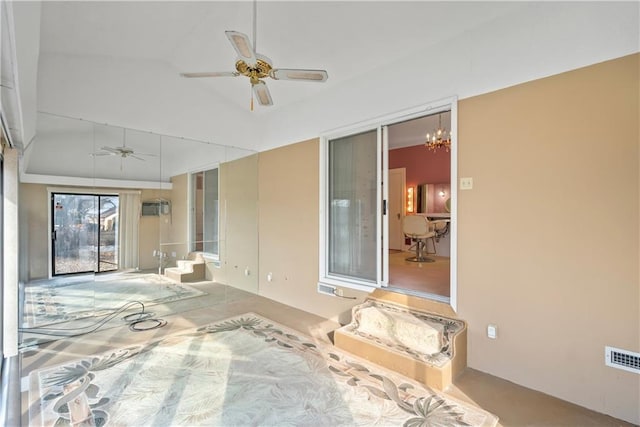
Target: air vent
x=326 y=289
x=622 y=359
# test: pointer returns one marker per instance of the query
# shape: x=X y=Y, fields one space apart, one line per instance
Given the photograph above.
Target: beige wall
x=152 y=230
x=239 y=224
x=289 y=236
x=548 y=237
x=35 y=234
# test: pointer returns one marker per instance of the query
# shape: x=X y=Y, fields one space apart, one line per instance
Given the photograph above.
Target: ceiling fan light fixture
x=257 y=67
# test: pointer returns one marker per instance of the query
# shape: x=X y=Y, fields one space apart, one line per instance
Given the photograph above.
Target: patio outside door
x=84 y=233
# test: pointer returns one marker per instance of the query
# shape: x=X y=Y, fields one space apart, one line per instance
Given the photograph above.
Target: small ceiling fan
x=257 y=67
x=123 y=152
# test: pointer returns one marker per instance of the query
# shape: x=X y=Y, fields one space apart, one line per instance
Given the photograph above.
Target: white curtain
x=128 y=230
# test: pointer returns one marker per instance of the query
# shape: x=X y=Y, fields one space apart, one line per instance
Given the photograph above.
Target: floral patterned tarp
x=243 y=371
x=53 y=302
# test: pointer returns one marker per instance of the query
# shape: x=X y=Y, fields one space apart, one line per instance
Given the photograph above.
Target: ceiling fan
x=123 y=152
x=257 y=67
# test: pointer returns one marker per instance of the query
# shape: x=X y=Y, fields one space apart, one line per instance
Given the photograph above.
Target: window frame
x=191 y=203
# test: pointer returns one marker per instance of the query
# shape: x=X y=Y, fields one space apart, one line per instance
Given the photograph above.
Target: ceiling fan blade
x=261 y=92
x=211 y=74
x=111 y=150
x=101 y=154
x=136 y=157
x=299 y=74
x=242 y=45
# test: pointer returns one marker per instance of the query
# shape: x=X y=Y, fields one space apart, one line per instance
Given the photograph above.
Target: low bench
x=428 y=347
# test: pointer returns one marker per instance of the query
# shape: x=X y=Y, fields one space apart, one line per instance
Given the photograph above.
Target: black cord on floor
x=155 y=324
x=140 y=316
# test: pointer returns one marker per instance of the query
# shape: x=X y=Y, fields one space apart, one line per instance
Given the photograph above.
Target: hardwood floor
x=427 y=277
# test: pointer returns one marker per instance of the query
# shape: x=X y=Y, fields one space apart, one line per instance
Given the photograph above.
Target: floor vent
x=622 y=359
x=326 y=289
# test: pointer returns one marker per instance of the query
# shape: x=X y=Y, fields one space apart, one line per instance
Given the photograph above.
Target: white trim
x=191 y=224
x=92 y=182
x=453 y=225
x=65 y=190
x=394 y=117
x=89 y=190
x=191 y=211
x=323 y=272
x=322 y=211
x=380 y=202
x=384 y=219
x=346 y=283
x=206 y=167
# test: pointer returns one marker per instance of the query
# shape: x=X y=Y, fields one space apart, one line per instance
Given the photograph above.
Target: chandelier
x=439 y=138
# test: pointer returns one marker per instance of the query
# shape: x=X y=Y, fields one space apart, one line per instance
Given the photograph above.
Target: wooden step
x=192 y=269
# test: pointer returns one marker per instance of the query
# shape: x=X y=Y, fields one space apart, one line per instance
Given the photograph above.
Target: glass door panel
x=74 y=234
x=108 y=233
x=353 y=206
x=84 y=234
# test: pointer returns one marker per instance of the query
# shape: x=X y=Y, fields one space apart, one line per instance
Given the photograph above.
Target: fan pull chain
x=251 y=97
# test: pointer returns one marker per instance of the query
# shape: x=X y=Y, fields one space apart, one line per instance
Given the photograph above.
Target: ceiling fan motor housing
x=260 y=70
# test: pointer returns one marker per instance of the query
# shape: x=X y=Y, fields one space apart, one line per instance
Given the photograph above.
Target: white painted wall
x=140 y=94
x=540 y=40
x=518 y=44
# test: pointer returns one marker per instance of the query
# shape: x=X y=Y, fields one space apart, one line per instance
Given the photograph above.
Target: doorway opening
x=363 y=242
x=420 y=186
x=84 y=233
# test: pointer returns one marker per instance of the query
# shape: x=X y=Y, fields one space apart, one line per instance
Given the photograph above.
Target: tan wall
x=548 y=237
x=152 y=230
x=175 y=240
x=35 y=234
x=34 y=231
x=239 y=224
x=289 y=237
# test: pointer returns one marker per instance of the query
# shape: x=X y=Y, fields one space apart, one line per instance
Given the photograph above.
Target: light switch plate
x=466 y=183
x=492 y=332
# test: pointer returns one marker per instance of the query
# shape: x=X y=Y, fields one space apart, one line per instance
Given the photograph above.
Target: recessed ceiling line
x=140 y=130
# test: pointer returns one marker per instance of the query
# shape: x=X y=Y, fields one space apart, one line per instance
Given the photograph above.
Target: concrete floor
x=513 y=404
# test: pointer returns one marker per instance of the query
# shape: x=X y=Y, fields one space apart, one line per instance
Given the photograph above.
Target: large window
x=205 y=211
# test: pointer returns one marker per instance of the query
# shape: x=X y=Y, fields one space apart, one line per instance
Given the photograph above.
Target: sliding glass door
x=84 y=233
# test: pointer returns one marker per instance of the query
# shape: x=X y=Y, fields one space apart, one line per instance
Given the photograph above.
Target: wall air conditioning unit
x=156 y=208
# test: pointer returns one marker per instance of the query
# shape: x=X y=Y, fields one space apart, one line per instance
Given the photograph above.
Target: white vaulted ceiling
x=119 y=62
